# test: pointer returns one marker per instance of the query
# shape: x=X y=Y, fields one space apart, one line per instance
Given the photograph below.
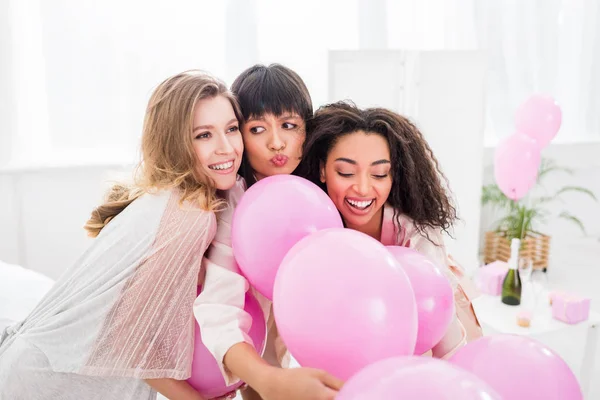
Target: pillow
x=20 y=291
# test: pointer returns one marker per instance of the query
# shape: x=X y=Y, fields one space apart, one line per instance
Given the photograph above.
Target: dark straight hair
x=273 y=89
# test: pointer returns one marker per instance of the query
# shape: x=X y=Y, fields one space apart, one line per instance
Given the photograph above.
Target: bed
x=20 y=290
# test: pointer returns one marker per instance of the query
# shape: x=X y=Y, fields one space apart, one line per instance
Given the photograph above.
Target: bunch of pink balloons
x=518 y=157
x=347 y=304
x=341 y=299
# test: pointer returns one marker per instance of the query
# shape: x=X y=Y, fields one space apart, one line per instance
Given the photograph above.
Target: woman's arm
x=173 y=389
x=219 y=311
x=243 y=361
x=224 y=326
x=275 y=354
x=454 y=339
x=272 y=383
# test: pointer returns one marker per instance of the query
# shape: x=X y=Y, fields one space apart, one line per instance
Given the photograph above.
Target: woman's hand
x=300 y=384
x=273 y=383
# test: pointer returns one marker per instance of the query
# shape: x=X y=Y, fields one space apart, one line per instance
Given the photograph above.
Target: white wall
x=42 y=213
x=7 y=105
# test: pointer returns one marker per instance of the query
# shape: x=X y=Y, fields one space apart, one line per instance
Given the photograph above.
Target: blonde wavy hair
x=168 y=159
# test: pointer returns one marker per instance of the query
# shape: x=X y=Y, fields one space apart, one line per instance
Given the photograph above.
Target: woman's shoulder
x=396 y=227
x=399 y=227
x=391 y=214
x=167 y=204
x=158 y=205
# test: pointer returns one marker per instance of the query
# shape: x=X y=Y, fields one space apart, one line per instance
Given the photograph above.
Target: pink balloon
x=412 y=378
x=516 y=164
x=206 y=377
x=433 y=293
x=342 y=302
x=539 y=117
x=519 y=368
x=272 y=216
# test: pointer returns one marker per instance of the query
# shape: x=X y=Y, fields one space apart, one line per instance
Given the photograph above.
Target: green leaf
x=548 y=165
x=493 y=196
x=576 y=189
x=544 y=199
x=556 y=196
x=574 y=219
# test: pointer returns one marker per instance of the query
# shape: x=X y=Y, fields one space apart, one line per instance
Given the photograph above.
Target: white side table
x=576 y=344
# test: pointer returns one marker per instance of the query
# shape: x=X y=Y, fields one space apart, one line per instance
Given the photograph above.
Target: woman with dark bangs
x=382 y=176
x=275 y=106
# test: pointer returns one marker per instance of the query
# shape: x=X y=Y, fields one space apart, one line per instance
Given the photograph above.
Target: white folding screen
x=443 y=93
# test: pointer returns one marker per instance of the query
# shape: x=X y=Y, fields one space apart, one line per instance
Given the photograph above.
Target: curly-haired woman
x=385 y=181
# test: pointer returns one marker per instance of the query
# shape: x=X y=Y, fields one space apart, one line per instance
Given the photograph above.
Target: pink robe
x=465 y=327
x=121 y=314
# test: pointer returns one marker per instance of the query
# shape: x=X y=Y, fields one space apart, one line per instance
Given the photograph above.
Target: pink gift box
x=556 y=293
x=570 y=308
x=491 y=276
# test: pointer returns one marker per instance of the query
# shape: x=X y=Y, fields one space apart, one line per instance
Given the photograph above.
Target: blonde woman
x=119 y=323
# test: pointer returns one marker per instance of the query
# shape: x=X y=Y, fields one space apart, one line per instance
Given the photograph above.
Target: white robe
x=219 y=309
x=122 y=313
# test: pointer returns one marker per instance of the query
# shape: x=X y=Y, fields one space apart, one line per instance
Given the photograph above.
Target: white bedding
x=20 y=290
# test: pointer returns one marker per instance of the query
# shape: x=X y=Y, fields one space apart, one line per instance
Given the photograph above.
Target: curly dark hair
x=419 y=188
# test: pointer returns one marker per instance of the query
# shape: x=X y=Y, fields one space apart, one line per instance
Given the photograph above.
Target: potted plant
x=523 y=218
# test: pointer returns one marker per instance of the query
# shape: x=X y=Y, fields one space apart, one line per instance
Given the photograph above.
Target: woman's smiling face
x=358 y=176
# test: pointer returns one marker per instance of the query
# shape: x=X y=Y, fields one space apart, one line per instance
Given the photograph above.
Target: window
x=80 y=72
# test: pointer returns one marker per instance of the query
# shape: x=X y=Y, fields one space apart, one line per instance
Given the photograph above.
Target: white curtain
x=82 y=71
x=76 y=74
x=545 y=46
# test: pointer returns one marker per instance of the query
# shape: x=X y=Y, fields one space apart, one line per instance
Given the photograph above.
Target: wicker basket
x=533 y=247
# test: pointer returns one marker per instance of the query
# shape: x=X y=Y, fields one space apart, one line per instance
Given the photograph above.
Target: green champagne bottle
x=511 y=287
